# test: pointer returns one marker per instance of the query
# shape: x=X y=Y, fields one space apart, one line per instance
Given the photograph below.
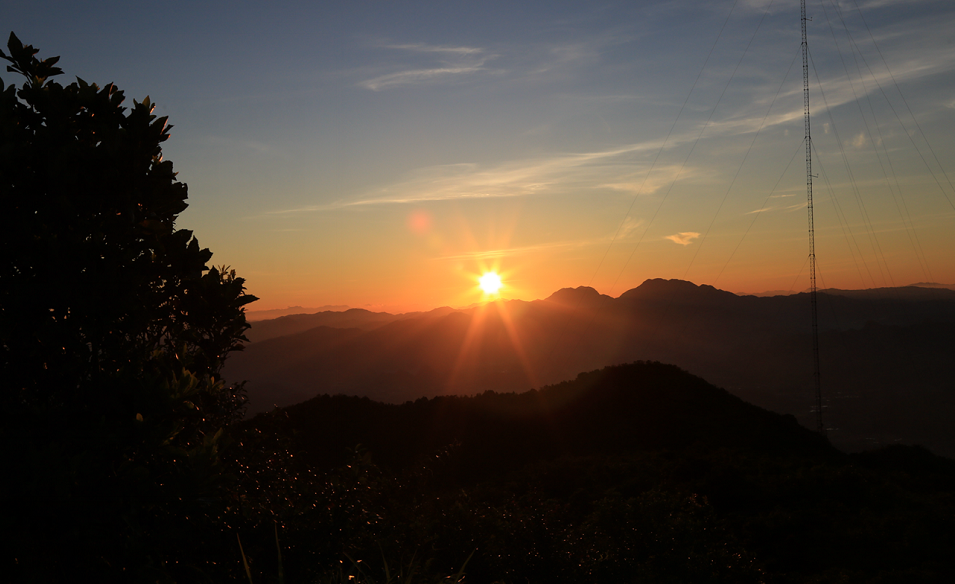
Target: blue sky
x=384 y=154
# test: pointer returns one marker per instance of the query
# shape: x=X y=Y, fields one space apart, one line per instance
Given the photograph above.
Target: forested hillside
x=635 y=473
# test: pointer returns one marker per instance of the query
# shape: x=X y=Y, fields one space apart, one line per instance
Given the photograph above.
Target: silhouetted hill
x=905 y=292
x=658 y=290
x=916 y=464
x=885 y=355
x=581 y=297
x=638 y=472
x=259 y=315
x=620 y=409
x=357 y=318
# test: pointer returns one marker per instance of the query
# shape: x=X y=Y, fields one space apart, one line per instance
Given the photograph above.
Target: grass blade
x=245 y=562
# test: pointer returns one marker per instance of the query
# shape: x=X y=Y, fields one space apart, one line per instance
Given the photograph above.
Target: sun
x=490 y=283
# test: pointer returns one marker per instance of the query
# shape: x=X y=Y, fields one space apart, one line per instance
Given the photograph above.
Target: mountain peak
x=576 y=297
x=659 y=288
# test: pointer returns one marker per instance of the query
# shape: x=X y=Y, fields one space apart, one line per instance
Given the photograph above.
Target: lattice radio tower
x=812 y=237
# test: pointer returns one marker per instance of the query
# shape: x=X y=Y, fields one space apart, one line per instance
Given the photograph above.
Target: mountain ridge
x=621 y=408
x=882 y=354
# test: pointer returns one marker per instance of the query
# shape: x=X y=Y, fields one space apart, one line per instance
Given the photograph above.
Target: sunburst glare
x=490 y=283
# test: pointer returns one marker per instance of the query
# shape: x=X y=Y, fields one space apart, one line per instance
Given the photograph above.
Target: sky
x=384 y=155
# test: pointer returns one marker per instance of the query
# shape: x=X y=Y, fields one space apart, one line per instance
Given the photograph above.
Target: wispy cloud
x=838 y=89
x=639 y=183
x=452 y=62
x=244 y=144
x=512 y=251
x=785 y=208
x=414 y=76
x=628 y=228
x=611 y=169
x=683 y=238
x=423 y=48
x=871 y=4
x=565 y=57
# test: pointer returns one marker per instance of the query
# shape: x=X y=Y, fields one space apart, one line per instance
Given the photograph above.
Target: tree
x=113 y=331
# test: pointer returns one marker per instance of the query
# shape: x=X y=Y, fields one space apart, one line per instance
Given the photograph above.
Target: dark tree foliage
x=113 y=331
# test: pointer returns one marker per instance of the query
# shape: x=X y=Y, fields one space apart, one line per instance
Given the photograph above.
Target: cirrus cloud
x=451 y=62
x=683 y=238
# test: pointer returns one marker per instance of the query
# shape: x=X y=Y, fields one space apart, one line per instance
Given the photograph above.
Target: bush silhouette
x=113 y=331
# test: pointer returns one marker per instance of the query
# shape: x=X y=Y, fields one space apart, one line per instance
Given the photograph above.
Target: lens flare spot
x=419 y=222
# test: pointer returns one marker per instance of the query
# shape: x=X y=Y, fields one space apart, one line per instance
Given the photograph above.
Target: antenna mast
x=820 y=427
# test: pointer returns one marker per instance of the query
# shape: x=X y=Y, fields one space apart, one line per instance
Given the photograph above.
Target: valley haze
x=885 y=353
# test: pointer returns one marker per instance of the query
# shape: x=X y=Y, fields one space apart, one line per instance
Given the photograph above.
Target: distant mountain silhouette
x=582 y=297
x=352 y=318
x=771 y=293
x=257 y=315
x=885 y=354
x=934 y=285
